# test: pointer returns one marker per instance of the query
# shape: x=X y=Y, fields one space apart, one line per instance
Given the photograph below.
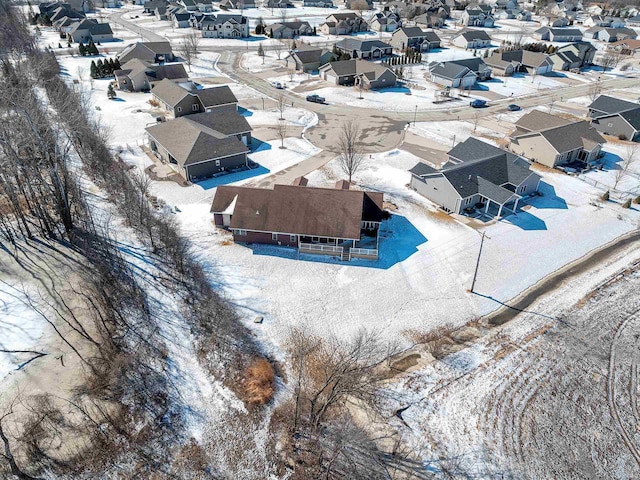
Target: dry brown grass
x=438 y=341
x=154 y=103
x=259 y=382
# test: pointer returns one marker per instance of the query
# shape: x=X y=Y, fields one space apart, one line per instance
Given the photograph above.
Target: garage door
x=330 y=78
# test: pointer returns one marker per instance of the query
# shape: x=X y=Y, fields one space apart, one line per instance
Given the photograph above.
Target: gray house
x=343 y=24
x=471 y=39
x=179 y=99
x=290 y=29
x=553 y=141
x=613 y=116
x=477 y=17
x=366 y=49
x=606 y=34
x=558 y=34
x=152 y=52
x=89 y=29
x=414 y=38
x=139 y=76
x=309 y=58
x=449 y=74
x=576 y=55
x=201 y=145
x=477 y=176
x=225 y=26
x=507 y=63
x=358 y=72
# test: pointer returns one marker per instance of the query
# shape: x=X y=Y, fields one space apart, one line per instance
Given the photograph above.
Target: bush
x=627 y=204
x=259 y=382
x=605 y=196
x=637 y=199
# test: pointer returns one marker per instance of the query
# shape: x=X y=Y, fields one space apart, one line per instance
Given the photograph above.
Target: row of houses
x=70 y=20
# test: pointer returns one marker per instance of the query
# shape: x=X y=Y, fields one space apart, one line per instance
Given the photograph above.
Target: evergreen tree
x=111 y=93
x=93 y=69
x=116 y=64
x=315 y=32
x=92 y=49
x=59 y=46
x=486 y=53
x=100 y=69
x=82 y=49
x=260 y=51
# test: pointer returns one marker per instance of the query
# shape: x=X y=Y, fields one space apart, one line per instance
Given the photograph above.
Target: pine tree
x=82 y=49
x=59 y=46
x=117 y=65
x=111 y=93
x=315 y=32
x=93 y=69
x=92 y=49
x=486 y=53
x=100 y=69
x=260 y=50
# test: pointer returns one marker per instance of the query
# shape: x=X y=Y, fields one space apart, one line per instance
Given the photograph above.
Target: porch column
x=486 y=207
x=515 y=206
x=500 y=211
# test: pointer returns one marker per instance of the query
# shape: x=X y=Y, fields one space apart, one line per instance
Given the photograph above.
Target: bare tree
x=594 y=91
x=628 y=158
x=278 y=47
x=360 y=6
x=281 y=102
x=283 y=14
x=350 y=148
x=188 y=48
x=281 y=130
x=261 y=52
x=608 y=60
x=476 y=120
x=292 y=74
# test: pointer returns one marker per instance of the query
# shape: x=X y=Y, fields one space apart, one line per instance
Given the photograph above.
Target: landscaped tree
x=82 y=49
x=93 y=69
x=261 y=52
x=111 y=93
x=278 y=47
x=281 y=130
x=350 y=149
x=91 y=48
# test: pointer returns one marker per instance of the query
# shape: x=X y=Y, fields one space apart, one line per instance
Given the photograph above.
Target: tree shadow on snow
x=398 y=241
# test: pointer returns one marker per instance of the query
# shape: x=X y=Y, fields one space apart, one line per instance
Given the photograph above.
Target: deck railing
x=321 y=248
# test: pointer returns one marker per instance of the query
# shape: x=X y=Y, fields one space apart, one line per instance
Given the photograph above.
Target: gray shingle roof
x=362 y=45
x=448 y=70
x=358 y=67
x=608 y=104
x=423 y=169
x=228 y=124
x=570 y=137
x=213 y=96
x=537 y=120
x=469 y=35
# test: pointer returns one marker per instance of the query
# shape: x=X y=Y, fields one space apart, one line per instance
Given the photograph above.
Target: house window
x=241 y=233
x=467 y=201
x=524 y=187
x=315 y=239
x=274 y=236
x=179 y=109
x=195 y=107
x=217 y=163
x=292 y=238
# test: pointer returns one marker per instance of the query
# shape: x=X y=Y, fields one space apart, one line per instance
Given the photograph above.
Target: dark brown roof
x=297 y=210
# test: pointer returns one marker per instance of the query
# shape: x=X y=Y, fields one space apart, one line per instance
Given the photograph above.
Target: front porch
x=346 y=248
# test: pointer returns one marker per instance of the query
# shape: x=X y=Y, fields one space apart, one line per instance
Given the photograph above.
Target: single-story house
x=225 y=26
x=429 y=20
x=414 y=38
x=576 y=55
x=506 y=63
x=201 y=145
x=152 y=52
x=326 y=221
x=343 y=24
x=180 y=19
x=604 y=21
x=289 y=29
x=139 y=76
x=309 y=58
x=626 y=47
x=318 y=3
x=614 y=116
x=358 y=72
x=468 y=38
x=151 y=5
x=558 y=34
x=476 y=176
x=555 y=22
x=179 y=99
x=277 y=4
x=89 y=29
x=605 y=34
x=552 y=140
x=366 y=49
x=449 y=74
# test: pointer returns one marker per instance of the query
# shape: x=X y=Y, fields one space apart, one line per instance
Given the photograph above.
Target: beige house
x=553 y=141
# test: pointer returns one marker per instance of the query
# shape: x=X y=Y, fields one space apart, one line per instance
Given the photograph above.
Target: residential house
x=555 y=22
x=139 y=76
x=343 y=24
x=89 y=29
x=358 y=72
x=625 y=47
x=180 y=19
x=610 y=34
x=450 y=74
x=201 y=145
x=558 y=34
x=188 y=5
x=162 y=12
x=237 y=4
x=289 y=29
x=385 y=21
x=225 y=26
x=365 y=49
x=358 y=4
x=613 y=116
x=514 y=14
x=634 y=21
x=574 y=56
x=278 y=4
x=429 y=20
x=318 y=3
x=414 y=38
x=604 y=21
x=151 y=5
x=179 y=99
x=151 y=52
x=330 y=221
x=477 y=176
x=468 y=38
x=552 y=140
x=63 y=12
x=309 y=58
x=477 y=17
x=506 y=63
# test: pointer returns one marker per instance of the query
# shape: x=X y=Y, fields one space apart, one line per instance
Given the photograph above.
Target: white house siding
x=438 y=190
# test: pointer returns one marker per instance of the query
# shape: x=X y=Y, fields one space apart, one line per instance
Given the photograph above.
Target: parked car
x=315 y=98
x=513 y=107
x=478 y=103
x=278 y=85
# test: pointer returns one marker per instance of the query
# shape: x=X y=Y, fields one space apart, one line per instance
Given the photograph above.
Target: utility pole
x=475 y=273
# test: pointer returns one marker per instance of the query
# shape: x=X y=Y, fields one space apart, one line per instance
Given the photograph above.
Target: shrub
x=605 y=196
x=627 y=204
x=259 y=382
x=637 y=199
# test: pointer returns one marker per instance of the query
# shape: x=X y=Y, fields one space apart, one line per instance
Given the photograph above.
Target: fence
x=320 y=248
x=364 y=252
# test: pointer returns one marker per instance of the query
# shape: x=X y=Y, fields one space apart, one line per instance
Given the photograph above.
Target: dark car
x=478 y=103
x=513 y=107
x=315 y=98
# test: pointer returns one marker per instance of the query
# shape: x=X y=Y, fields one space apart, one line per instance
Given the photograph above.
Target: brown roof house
x=358 y=72
x=477 y=176
x=139 y=76
x=553 y=141
x=325 y=221
x=179 y=99
x=201 y=145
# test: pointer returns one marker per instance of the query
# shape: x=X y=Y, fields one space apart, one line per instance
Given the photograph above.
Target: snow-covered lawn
x=454 y=132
